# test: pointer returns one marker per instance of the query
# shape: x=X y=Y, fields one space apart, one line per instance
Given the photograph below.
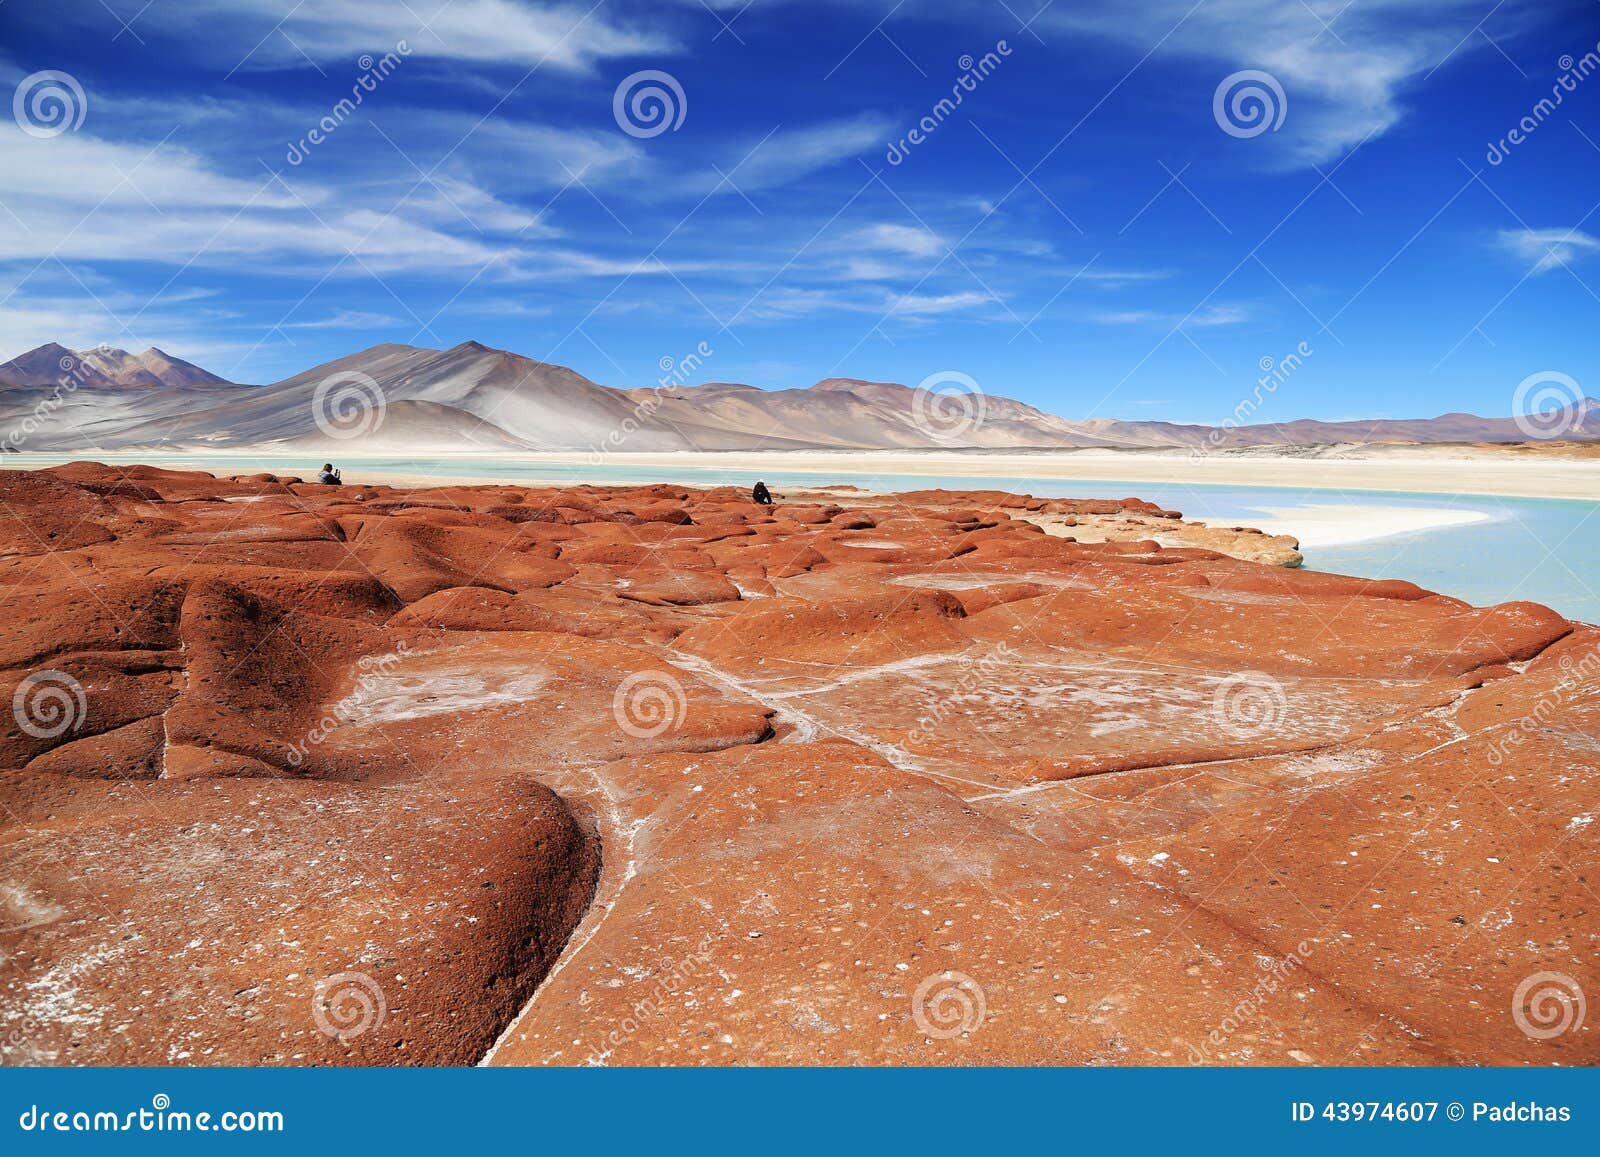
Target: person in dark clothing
x=329 y=476
x=761 y=495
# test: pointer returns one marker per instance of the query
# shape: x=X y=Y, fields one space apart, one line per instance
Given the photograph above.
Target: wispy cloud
x=788 y=154
x=263 y=34
x=1549 y=248
x=1342 y=66
x=909 y=239
x=884 y=304
x=347 y=319
x=1206 y=318
x=82 y=320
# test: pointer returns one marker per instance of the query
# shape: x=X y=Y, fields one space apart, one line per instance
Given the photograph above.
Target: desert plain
x=622 y=775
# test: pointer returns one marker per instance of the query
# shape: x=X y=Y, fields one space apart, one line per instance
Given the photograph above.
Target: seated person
x=761 y=495
x=329 y=476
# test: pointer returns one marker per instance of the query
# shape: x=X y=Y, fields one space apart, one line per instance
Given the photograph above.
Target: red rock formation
x=653 y=775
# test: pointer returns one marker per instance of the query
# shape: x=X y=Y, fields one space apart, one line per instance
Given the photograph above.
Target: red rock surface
x=653 y=775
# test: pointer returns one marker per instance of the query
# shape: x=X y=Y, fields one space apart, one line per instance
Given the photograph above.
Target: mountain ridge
x=474 y=396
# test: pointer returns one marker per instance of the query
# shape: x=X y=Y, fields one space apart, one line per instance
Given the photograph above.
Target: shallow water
x=1543 y=550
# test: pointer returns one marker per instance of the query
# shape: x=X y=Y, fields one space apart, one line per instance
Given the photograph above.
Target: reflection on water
x=1543 y=550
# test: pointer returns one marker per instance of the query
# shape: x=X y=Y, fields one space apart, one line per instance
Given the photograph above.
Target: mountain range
x=392 y=398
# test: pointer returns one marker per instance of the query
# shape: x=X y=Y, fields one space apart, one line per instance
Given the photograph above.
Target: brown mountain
x=473 y=397
x=103 y=367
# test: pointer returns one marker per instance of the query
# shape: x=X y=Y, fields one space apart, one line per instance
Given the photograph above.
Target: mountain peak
x=853 y=385
x=103 y=367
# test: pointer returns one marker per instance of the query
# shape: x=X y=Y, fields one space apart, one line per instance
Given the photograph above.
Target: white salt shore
x=1340 y=525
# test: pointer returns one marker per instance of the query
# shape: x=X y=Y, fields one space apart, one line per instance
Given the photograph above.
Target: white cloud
x=346 y=319
x=1209 y=316
x=284 y=34
x=83 y=321
x=909 y=239
x=924 y=304
x=786 y=303
x=789 y=154
x=82 y=198
x=1549 y=248
x=1342 y=81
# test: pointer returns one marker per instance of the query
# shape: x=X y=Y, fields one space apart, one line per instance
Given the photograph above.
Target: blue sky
x=1083 y=232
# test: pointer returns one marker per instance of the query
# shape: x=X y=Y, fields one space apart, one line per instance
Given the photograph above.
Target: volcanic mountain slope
x=403 y=398
x=598 y=775
x=103 y=368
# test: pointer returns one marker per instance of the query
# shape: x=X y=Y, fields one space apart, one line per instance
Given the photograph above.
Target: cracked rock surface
x=651 y=775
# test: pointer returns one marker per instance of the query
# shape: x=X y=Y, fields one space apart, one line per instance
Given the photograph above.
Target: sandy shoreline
x=1313 y=525
x=1451 y=471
